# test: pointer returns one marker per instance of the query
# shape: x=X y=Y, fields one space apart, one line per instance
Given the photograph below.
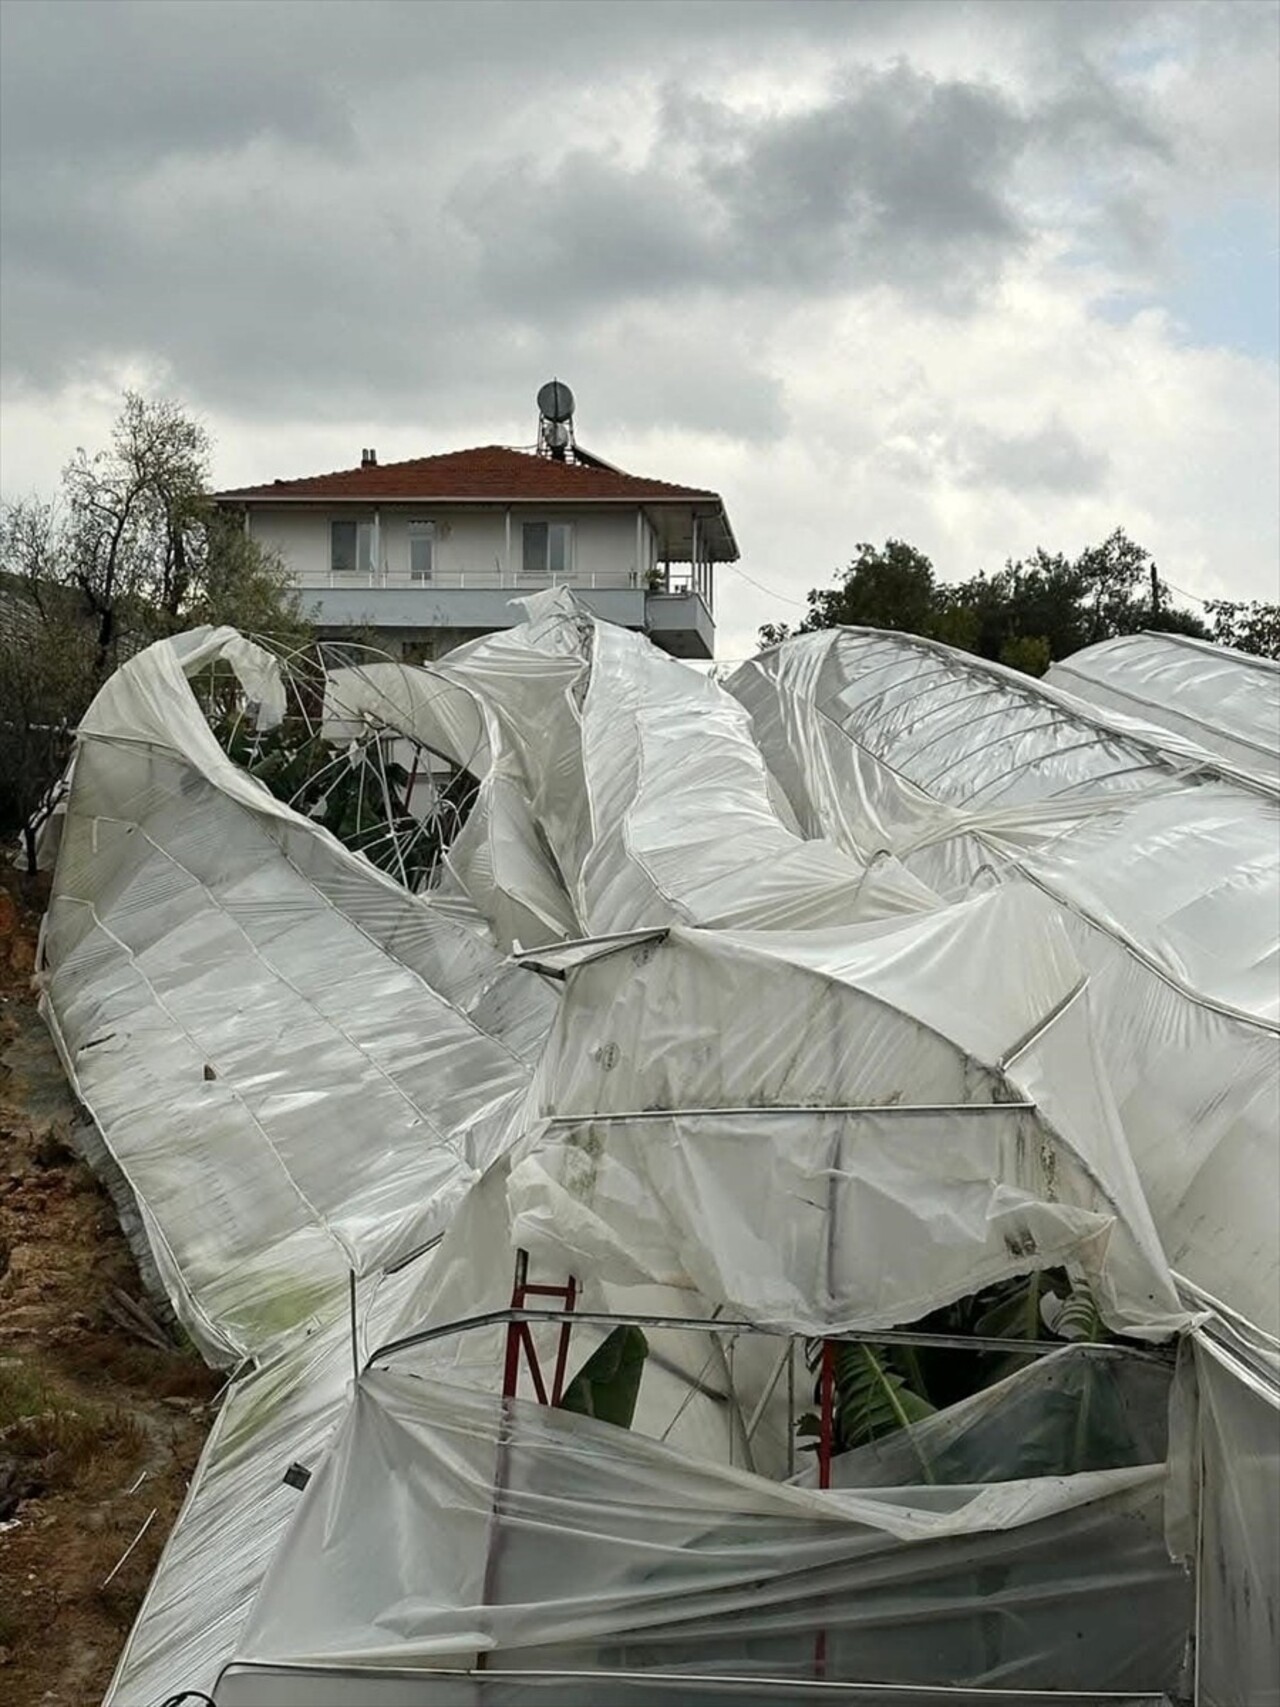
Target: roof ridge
x=487 y=468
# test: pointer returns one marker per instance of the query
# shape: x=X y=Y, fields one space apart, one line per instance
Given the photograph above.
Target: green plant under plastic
x=607 y=1385
x=883 y=1389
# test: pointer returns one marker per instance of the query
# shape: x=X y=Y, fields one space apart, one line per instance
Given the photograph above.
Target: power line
x=1183 y=593
x=800 y=604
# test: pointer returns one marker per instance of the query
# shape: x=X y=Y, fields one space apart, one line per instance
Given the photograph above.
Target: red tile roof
x=490 y=473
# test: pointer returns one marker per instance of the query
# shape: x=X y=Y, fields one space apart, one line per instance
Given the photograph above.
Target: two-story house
x=425 y=554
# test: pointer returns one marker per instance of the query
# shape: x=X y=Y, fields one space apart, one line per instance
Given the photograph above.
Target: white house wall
x=470 y=545
x=300 y=536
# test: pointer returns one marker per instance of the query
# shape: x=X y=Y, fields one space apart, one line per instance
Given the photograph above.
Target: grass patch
x=57 y=1435
x=144 y=1368
x=22 y=1392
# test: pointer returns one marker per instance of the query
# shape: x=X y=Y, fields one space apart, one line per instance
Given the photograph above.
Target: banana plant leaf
x=872 y=1397
x=608 y=1383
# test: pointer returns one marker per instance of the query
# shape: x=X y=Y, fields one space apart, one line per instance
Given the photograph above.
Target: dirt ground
x=102 y=1413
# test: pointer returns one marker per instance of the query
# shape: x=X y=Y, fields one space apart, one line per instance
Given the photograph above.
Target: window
x=547 y=548
x=422 y=547
x=351 y=548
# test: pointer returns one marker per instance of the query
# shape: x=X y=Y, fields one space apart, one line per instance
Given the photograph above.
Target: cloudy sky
x=980 y=274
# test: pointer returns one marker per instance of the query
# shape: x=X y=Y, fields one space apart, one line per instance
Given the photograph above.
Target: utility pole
x=1155 y=593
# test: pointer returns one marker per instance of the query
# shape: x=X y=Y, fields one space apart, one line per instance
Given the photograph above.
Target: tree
x=1026 y=615
x=46 y=683
x=137 y=537
x=893 y=588
x=1248 y=626
x=132 y=549
x=132 y=511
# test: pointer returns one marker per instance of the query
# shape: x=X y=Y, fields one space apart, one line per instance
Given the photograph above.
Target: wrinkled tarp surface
x=890 y=1035
x=1166 y=877
x=667 y=1563
x=1225 y=701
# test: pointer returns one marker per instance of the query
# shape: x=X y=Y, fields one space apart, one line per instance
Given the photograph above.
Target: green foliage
x=1248 y=627
x=133 y=549
x=608 y=1383
x=1026 y=615
x=883 y=1389
x=889 y=588
x=50 y=1436
x=1077 y=1317
x=872 y=1395
x=137 y=540
x=360 y=795
x=242 y=584
x=47 y=679
x=1026 y=652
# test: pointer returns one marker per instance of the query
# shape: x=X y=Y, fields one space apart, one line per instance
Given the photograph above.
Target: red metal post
x=531 y=1357
x=520 y=1337
x=511 y=1368
x=562 y=1350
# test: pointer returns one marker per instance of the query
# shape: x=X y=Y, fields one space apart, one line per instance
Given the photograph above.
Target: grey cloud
x=110 y=83
x=88 y=79
x=350 y=311
x=932 y=445
x=699 y=375
x=1092 y=111
x=336 y=209
x=899 y=180
x=275 y=275
x=591 y=230
x=902 y=180
x=1051 y=459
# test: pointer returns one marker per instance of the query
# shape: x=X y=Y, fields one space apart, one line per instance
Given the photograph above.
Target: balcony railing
x=679 y=579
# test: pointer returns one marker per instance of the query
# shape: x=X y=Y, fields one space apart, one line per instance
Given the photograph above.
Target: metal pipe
x=770 y=1384
x=746 y=1687
x=355 y=1343
x=704 y=1324
x=890 y=1109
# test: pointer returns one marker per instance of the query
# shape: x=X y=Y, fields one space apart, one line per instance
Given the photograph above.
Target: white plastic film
x=1227 y=702
x=906 y=976
x=534 y=1538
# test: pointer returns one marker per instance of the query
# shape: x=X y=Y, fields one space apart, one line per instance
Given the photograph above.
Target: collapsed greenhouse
x=781 y=1205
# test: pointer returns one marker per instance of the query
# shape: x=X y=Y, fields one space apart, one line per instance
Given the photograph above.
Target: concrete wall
x=425 y=622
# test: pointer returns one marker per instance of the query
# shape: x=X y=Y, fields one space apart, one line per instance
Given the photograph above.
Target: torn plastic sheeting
x=498 y=856
x=1069 y=1412
x=192 y=934
x=1238 y=1419
x=771 y=1157
x=194 y=993
x=642 y=789
x=238 y=1505
x=931 y=747
x=684 y=815
x=1168 y=880
x=418 y=701
x=645 y=781
x=1166 y=869
x=606 y=1549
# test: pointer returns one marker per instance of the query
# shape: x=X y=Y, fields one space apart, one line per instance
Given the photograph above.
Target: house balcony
x=672 y=608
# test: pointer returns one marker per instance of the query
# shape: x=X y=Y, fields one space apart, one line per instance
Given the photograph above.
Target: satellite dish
x=555 y=401
x=557 y=435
